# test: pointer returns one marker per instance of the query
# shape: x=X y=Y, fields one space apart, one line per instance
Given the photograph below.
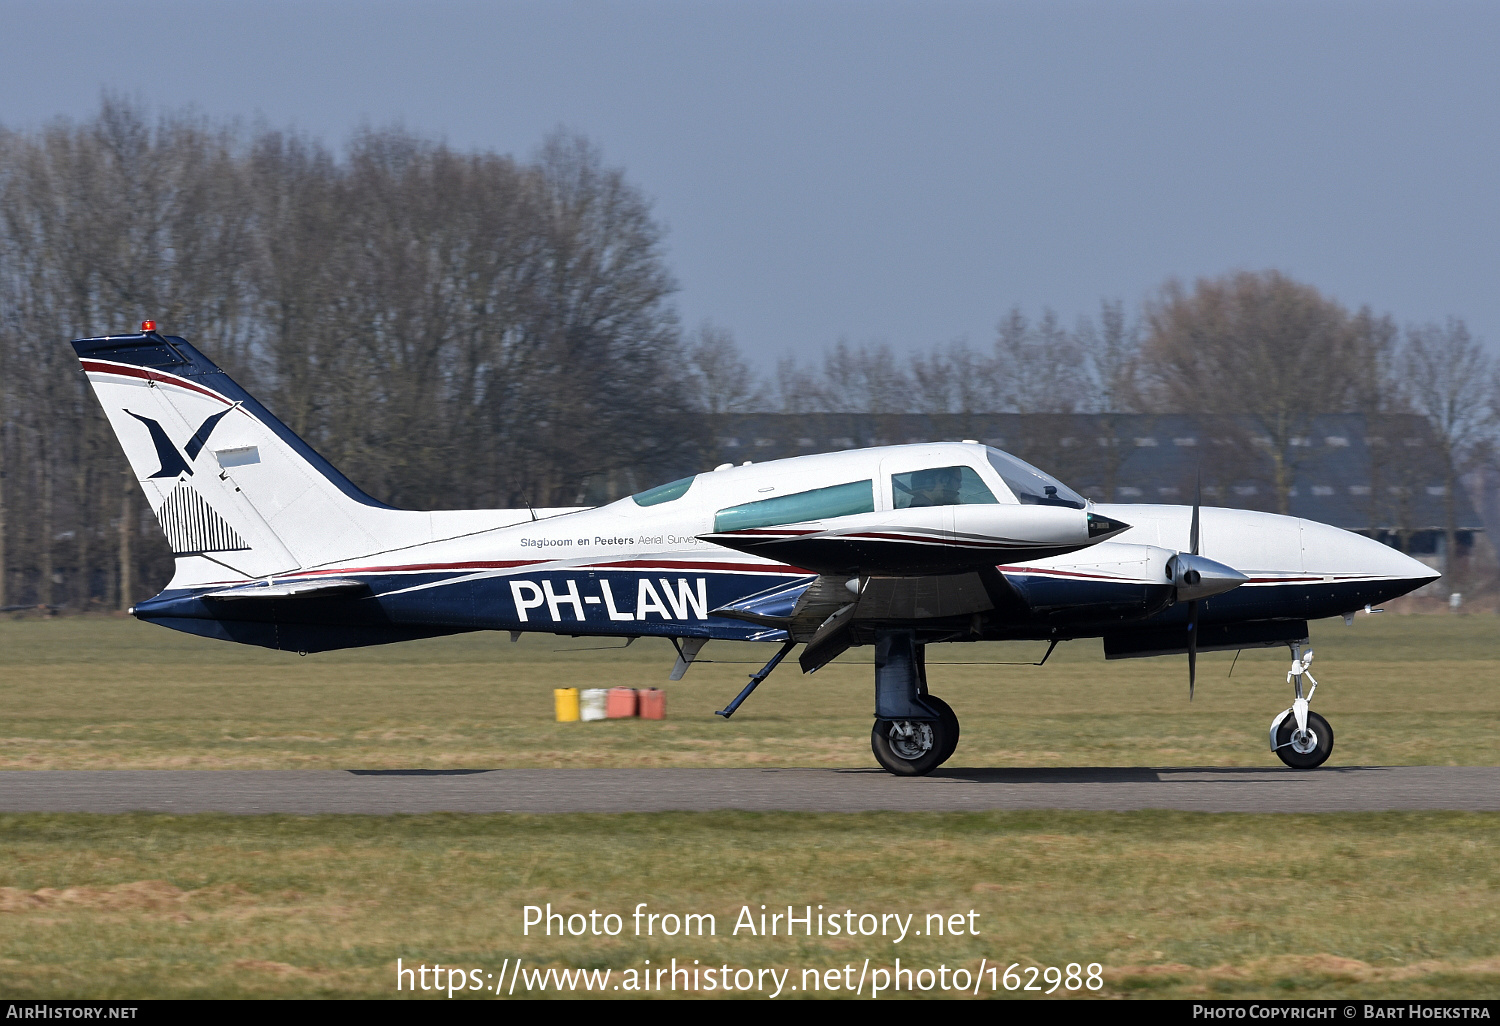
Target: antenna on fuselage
x=525 y=498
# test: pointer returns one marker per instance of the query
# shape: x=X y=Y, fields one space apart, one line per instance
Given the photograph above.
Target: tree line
x=469 y=329
x=452 y=329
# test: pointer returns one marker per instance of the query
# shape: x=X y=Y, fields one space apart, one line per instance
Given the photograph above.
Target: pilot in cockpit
x=937 y=487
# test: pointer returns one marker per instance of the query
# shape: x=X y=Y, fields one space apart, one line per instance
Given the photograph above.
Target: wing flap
x=922 y=598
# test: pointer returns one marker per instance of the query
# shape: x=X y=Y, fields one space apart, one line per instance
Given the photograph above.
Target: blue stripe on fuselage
x=675 y=602
x=668 y=602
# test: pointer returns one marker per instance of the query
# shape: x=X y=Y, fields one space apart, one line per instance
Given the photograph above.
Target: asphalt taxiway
x=307 y=792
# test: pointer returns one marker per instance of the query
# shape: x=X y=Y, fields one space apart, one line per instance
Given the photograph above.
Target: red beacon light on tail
x=147 y=327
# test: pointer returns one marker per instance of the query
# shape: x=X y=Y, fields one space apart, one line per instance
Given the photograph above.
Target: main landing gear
x=1300 y=737
x=914 y=732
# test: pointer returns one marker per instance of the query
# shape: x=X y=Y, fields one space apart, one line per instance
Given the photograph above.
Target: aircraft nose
x=1414 y=569
x=1395 y=563
x=1329 y=550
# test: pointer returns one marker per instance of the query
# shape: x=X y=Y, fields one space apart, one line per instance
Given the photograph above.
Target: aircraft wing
x=925 y=540
x=820 y=612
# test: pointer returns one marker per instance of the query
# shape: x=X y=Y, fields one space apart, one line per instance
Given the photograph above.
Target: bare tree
x=1111 y=359
x=720 y=381
x=451 y=328
x=953 y=379
x=1111 y=355
x=1260 y=345
x=1395 y=469
x=1449 y=378
x=863 y=379
x=1037 y=368
x=798 y=389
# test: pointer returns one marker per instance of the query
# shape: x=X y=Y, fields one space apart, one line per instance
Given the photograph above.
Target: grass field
x=101 y=693
x=1171 y=904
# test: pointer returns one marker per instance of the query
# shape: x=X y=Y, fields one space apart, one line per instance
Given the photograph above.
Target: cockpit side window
x=939 y=486
x=664 y=493
x=1030 y=485
x=817 y=504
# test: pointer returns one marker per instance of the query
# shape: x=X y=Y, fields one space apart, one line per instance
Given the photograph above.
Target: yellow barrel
x=566 y=701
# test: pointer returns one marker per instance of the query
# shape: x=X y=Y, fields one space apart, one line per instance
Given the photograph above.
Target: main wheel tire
x=949 y=723
x=913 y=748
x=1304 y=752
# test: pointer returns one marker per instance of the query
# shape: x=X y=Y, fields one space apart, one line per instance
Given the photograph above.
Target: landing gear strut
x=914 y=732
x=1300 y=737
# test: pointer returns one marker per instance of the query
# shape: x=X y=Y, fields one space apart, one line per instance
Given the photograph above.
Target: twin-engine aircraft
x=898 y=547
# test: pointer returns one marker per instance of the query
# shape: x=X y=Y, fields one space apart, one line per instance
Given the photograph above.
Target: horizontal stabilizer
x=294 y=589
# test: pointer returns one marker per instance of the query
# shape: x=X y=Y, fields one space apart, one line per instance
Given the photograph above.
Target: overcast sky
x=896 y=172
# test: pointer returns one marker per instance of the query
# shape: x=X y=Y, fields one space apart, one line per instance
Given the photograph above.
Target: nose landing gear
x=1300 y=737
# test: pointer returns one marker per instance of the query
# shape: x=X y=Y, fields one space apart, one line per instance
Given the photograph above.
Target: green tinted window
x=940 y=486
x=818 y=504
x=663 y=493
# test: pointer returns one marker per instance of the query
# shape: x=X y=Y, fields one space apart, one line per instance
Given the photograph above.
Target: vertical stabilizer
x=231 y=484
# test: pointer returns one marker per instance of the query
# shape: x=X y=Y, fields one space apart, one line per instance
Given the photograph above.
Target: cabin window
x=663 y=493
x=819 y=504
x=1030 y=485
x=940 y=486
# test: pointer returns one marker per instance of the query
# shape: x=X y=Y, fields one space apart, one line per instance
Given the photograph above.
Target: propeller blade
x=1192 y=647
x=1193 y=606
x=1197 y=503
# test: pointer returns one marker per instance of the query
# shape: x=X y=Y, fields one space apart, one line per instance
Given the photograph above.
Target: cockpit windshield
x=1030 y=485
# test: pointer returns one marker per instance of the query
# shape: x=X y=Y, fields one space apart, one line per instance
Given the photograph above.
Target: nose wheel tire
x=914 y=748
x=1304 y=751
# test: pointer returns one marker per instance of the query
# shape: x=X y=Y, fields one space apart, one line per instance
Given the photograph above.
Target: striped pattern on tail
x=193 y=527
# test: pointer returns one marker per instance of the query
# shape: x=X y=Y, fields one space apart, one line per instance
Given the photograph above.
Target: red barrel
x=653 y=704
x=620 y=703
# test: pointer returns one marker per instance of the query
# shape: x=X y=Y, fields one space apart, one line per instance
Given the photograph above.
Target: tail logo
x=172 y=462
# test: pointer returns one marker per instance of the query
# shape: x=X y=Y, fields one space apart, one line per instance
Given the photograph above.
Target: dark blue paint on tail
x=172 y=462
x=173 y=355
x=200 y=437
